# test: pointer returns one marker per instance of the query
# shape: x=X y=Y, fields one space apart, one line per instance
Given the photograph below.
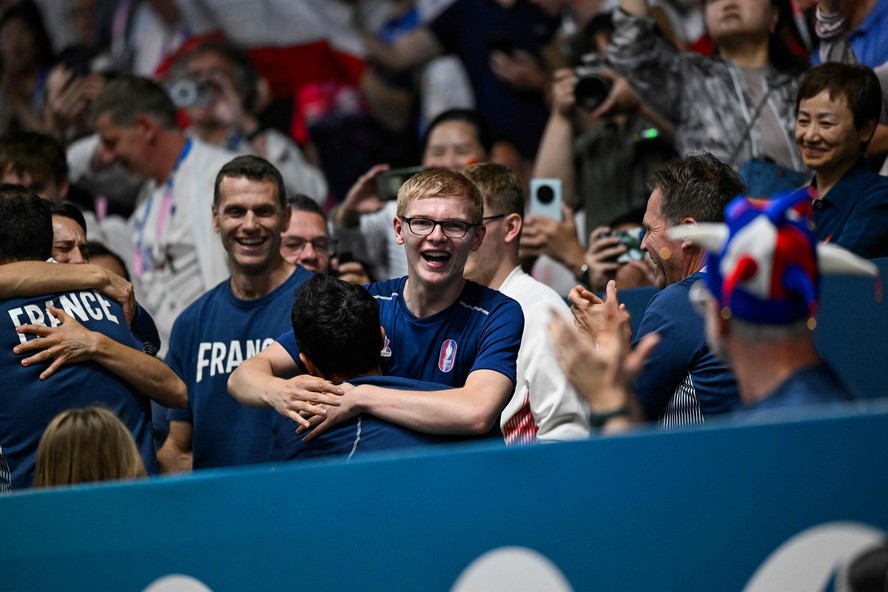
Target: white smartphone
x=545 y=198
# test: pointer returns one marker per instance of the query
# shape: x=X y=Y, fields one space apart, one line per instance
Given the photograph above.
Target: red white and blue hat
x=764 y=263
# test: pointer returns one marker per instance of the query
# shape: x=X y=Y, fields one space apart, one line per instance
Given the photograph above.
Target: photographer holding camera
x=603 y=152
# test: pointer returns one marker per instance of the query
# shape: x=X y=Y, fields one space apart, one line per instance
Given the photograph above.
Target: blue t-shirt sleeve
x=866 y=231
x=680 y=330
x=500 y=340
x=288 y=342
x=177 y=364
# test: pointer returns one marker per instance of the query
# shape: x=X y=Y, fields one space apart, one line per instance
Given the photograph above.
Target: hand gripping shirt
x=28 y=404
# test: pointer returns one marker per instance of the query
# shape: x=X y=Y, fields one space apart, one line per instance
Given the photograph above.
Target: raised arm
x=555 y=155
x=264 y=381
x=70 y=343
x=33 y=278
x=410 y=50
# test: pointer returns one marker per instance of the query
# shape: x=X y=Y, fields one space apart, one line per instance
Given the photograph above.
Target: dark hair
x=246 y=77
x=69 y=210
x=127 y=97
x=858 y=84
x=869 y=570
x=25 y=225
x=41 y=156
x=97 y=249
x=336 y=325
x=502 y=191
x=254 y=168
x=302 y=203
x=786 y=50
x=471 y=117
x=30 y=14
x=698 y=186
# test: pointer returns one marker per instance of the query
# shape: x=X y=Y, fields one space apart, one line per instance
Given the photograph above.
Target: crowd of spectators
x=328 y=228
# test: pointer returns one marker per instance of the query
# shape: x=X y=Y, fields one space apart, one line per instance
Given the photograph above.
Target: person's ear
x=479 y=237
x=868 y=130
x=513 y=224
x=310 y=367
x=399 y=237
x=688 y=222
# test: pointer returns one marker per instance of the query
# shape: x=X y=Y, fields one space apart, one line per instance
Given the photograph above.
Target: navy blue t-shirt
x=814 y=385
x=480 y=331
x=209 y=340
x=854 y=214
x=682 y=381
x=363 y=434
x=28 y=404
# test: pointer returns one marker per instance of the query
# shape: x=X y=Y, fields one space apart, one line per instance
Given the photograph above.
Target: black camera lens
x=591 y=91
x=545 y=195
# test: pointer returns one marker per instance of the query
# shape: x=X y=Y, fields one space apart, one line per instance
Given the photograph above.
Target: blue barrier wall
x=695 y=510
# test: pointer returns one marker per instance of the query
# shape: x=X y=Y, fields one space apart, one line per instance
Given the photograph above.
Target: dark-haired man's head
x=69 y=235
x=456 y=138
x=249 y=213
x=38 y=162
x=25 y=225
x=336 y=325
x=306 y=241
x=689 y=189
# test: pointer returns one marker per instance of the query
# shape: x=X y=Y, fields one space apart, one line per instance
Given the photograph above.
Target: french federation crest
x=386 y=350
x=447 y=357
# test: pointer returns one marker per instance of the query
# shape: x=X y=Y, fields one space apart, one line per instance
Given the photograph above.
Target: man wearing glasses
x=439 y=327
x=306 y=241
x=233 y=322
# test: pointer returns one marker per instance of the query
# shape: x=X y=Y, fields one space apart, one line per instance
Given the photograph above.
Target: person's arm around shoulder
x=71 y=342
x=263 y=381
x=34 y=278
x=470 y=410
x=176 y=455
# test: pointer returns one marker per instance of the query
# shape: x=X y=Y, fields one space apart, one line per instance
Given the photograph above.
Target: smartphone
x=389 y=182
x=545 y=198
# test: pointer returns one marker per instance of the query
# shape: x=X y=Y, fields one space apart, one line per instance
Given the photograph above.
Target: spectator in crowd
x=223 y=112
x=544 y=406
x=74 y=327
x=175 y=256
x=69 y=235
x=26 y=55
x=232 y=322
x=738 y=105
x=36 y=161
x=104 y=257
x=838 y=107
x=84 y=446
x=336 y=326
x=683 y=382
x=306 y=241
x=758 y=298
x=454 y=139
x=498 y=42
x=439 y=328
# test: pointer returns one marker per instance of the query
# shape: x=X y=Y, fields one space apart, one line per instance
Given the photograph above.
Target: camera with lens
x=631 y=239
x=592 y=86
x=191 y=92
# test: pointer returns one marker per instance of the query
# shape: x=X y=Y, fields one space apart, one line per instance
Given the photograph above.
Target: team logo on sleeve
x=447 y=357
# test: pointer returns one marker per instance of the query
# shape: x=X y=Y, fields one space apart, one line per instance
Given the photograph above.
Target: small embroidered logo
x=447 y=357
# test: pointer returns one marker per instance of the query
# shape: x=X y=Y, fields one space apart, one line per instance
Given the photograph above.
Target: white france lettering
x=252 y=348
x=202 y=361
x=35 y=314
x=235 y=357
x=89 y=302
x=217 y=357
x=53 y=321
x=16 y=315
x=106 y=307
x=73 y=307
x=268 y=341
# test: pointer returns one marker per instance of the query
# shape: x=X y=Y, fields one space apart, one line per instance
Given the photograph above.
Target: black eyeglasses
x=320 y=244
x=450 y=228
x=486 y=219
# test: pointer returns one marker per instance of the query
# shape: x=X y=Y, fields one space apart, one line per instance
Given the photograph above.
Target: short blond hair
x=86 y=445
x=442 y=183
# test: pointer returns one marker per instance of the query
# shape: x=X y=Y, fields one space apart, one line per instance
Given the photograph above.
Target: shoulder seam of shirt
x=475 y=308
